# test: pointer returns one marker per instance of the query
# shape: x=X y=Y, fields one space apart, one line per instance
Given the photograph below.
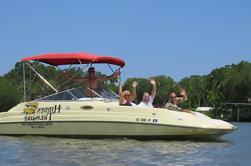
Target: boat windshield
x=81 y=94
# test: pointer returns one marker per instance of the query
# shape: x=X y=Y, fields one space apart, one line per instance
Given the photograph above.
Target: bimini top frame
x=57 y=59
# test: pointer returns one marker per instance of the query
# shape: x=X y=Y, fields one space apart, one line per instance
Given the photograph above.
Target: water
x=233 y=149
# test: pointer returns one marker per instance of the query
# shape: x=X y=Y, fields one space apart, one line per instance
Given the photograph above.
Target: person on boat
x=92 y=82
x=147 y=100
x=126 y=98
x=173 y=102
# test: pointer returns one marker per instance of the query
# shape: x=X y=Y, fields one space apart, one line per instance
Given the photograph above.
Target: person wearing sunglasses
x=147 y=99
x=173 y=101
x=126 y=98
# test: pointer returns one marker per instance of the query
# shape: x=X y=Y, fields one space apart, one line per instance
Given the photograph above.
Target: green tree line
x=231 y=83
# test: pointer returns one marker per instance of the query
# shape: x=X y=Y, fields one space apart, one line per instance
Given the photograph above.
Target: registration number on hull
x=147 y=120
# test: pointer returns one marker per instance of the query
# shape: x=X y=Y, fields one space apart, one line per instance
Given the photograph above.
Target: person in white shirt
x=147 y=100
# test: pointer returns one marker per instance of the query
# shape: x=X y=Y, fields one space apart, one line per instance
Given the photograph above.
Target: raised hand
x=152 y=81
x=134 y=84
x=182 y=92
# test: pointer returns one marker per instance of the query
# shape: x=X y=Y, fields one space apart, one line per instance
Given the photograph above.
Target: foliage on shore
x=231 y=83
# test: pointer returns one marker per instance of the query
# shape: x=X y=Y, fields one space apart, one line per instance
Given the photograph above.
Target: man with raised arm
x=147 y=99
x=93 y=81
x=173 y=101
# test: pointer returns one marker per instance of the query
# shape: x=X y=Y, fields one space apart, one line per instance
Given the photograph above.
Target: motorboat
x=71 y=113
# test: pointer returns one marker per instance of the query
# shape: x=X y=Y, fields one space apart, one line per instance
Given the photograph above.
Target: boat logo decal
x=31 y=108
x=35 y=113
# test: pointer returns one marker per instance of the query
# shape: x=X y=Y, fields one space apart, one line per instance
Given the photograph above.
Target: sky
x=176 y=38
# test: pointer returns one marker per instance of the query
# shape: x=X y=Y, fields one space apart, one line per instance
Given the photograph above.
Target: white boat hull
x=107 y=129
x=108 y=120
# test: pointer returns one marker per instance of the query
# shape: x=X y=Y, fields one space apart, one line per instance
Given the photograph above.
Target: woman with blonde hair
x=126 y=97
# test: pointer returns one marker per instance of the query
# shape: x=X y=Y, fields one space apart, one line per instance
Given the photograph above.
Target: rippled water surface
x=232 y=149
